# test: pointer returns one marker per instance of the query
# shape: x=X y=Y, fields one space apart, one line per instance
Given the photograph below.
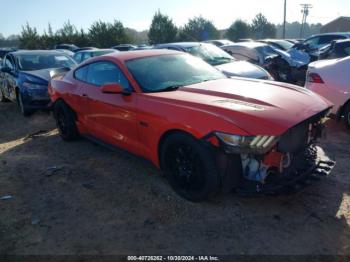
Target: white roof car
x=331 y=79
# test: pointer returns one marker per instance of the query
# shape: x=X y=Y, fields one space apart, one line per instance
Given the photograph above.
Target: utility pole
x=284 y=19
x=305 y=11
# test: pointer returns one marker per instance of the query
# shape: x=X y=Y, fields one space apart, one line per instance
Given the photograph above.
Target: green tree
x=199 y=29
x=262 y=28
x=238 y=30
x=48 y=39
x=104 y=34
x=29 y=38
x=67 y=34
x=162 y=29
x=82 y=39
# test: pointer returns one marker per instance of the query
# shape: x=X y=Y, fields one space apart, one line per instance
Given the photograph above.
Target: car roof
x=37 y=52
x=347 y=34
x=95 y=50
x=124 y=45
x=179 y=44
x=247 y=44
x=273 y=40
x=130 y=55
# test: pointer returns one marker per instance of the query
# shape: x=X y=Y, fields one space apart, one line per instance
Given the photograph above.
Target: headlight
x=247 y=144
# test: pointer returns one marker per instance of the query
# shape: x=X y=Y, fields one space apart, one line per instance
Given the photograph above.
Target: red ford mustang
x=204 y=130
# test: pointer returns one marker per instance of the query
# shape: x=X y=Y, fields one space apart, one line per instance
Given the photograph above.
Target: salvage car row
x=186 y=112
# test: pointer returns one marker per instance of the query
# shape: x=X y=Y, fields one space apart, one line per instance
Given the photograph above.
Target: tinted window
x=312 y=41
x=86 y=56
x=77 y=57
x=81 y=73
x=102 y=73
x=347 y=50
x=326 y=39
x=157 y=73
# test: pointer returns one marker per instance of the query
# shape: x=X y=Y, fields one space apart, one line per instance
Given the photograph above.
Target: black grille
x=296 y=138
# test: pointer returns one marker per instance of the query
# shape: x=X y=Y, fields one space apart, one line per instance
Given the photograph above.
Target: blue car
x=25 y=76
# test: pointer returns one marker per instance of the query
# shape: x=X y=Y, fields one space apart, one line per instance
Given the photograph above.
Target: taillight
x=315 y=78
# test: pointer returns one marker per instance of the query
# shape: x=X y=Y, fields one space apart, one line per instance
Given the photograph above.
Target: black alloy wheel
x=189 y=167
x=65 y=121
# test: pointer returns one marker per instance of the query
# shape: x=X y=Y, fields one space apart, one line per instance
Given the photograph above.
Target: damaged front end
x=270 y=164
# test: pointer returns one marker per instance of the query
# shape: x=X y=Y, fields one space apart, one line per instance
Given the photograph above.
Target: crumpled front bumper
x=36 y=98
x=310 y=165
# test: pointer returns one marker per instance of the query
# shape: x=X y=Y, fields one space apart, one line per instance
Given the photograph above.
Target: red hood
x=258 y=107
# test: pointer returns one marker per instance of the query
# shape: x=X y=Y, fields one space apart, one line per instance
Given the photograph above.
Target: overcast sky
x=138 y=14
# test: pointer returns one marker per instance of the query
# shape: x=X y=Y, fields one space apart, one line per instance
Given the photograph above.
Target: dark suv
x=313 y=44
x=337 y=49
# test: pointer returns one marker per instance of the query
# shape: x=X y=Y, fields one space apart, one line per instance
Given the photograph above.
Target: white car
x=331 y=79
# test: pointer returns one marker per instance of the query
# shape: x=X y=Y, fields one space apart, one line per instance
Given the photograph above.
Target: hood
x=243 y=69
x=43 y=74
x=294 y=57
x=257 y=107
x=46 y=74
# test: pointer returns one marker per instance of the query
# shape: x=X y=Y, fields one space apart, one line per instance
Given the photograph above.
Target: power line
x=305 y=11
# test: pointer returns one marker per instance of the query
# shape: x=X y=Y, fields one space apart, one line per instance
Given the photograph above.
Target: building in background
x=341 y=24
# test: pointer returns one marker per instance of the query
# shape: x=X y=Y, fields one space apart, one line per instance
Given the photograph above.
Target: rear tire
x=347 y=115
x=65 y=121
x=189 y=167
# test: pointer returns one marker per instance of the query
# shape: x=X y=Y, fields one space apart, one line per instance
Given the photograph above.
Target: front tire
x=65 y=121
x=189 y=167
x=24 y=111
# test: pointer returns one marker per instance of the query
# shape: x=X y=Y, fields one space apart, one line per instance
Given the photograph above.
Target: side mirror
x=6 y=69
x=113 y=89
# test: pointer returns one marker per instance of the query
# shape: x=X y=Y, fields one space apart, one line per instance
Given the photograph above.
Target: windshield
x=284 y=44
x=31 y=62
x=266 y=51
x=211 y=54
x=169 y=72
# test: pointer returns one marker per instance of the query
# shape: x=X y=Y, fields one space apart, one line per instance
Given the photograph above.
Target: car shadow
x=81 y=198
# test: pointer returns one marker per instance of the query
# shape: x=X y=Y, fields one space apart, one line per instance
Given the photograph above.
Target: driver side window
x=101 y=73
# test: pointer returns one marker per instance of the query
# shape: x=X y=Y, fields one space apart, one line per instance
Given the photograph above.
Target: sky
x=138 y=14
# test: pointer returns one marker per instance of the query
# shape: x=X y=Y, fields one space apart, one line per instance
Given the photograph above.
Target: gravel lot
x=81 y=198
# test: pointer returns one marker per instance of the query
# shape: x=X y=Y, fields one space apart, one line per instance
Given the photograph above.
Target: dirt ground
x=81 y=198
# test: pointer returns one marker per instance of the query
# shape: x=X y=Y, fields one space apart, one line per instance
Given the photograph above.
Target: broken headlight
x=247 y=144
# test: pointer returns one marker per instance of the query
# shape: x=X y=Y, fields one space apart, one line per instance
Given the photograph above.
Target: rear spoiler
x=59 y=71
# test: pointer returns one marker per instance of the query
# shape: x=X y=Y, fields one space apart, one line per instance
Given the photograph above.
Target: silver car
x=219 y=59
